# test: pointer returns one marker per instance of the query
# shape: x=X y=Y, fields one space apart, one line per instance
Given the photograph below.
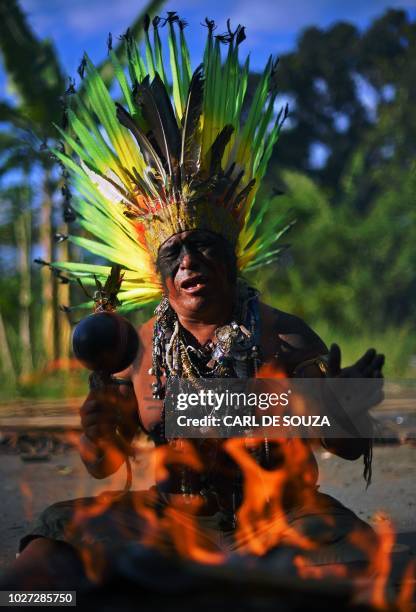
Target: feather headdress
x=174 y=154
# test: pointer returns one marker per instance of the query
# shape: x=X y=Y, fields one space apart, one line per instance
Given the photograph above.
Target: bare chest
x=150 y=409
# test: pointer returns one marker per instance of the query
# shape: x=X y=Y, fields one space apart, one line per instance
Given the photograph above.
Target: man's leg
x=45 y=564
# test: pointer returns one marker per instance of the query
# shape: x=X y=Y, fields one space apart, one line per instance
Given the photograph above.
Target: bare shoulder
x=288 y=337
x=290 y=328
x=145 y=331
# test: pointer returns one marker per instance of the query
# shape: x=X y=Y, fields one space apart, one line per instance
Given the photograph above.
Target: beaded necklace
x=233 y=353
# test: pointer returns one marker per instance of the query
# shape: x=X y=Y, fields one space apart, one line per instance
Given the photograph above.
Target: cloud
x=266 y=16
x=272 y=25
x=87 y=18
x=280 y=17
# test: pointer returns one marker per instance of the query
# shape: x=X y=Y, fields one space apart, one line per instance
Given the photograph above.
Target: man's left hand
x=360 y=396
x=370 y=365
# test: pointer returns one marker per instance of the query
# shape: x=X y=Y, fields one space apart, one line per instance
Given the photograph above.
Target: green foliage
x=340 y=82
x=36 y=79
x=48 y=385
x=350 y=271
x=351 y=276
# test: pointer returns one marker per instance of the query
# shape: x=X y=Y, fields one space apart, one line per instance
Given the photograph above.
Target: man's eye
x=202 y=244
x=169 y=253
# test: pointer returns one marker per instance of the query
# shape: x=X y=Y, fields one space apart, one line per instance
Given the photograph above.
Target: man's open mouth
x=194 y=283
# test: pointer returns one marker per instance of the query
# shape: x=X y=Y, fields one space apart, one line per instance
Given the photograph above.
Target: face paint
x=199 y=271
x=203 y=247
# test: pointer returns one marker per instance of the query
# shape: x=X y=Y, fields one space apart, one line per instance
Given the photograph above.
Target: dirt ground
x=28 y=487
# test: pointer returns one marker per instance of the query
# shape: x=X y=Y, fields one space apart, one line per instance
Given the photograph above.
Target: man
x=186 y=177
x=196 y=267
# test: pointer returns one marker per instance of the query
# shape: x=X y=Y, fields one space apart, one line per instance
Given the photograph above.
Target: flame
x=93 y=562
x=406 y=593
x=179 y=452
x=271 y=370
x=67 y=364
x=372 y=585
x=266 y=378
x=262 y=519
x=380 y=562
x=177 y=530
x=178 y=525
x=319 y=572
x=27 y=495
x=170 y=529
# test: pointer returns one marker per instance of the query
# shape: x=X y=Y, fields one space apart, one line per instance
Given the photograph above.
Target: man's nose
x=187 y=258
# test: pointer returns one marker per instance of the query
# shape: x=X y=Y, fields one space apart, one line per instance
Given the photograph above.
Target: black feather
x=210 y=24
x=243 y=193
x=167 y=114
x=141 y=184
x=150 y=155
x=191 y=130
x=230 y=170
x=233 y=187
x=109 y=42
x=241 y=35
x=82 y=66
x=217 y=149
x=157 y=111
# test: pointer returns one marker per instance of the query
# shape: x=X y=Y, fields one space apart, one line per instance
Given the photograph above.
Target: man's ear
x=159 y=271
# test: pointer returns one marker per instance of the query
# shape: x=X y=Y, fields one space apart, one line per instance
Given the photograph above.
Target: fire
x=266 y=380
x=62 y=363
x=319 y=572
x=177 y=530
x=271 y=370
x=93 y=562
x=372 y=585
x=407 y=590
x=27 y=495
x=380 y=561
x=177 y=526
x=262 y=519
x=180 y=452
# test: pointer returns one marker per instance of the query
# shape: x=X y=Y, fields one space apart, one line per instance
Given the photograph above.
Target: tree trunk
x=48 y=335
x=23 y=231
x=6 y=364
x=63 y=299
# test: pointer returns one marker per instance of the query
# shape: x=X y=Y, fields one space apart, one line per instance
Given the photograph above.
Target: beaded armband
x=121 y=381
x=321 y=361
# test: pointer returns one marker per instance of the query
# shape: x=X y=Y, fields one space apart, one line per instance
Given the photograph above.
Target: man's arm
x=368 y=366
x=306 y=356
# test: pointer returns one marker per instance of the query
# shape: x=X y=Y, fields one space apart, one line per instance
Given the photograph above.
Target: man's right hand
x=100 y=414
x=106 y=413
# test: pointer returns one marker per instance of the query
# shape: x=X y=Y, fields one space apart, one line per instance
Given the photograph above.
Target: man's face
x=197 y=271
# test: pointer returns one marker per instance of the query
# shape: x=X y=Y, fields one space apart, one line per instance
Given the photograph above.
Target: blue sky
x=272 y=25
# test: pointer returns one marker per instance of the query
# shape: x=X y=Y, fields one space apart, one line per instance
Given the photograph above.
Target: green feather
x=177 y=85
x=160 y=68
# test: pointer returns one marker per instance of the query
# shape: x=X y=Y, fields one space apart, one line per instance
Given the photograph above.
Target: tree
x=341 y=82
x=38 y=104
